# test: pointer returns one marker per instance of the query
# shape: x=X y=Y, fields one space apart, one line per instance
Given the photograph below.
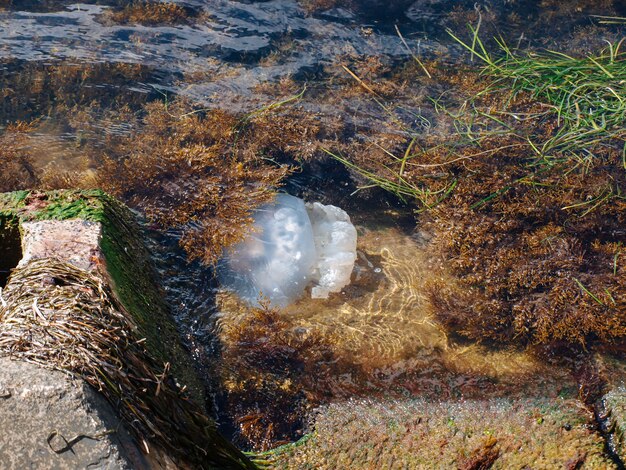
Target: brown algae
x=151 y=13
x=525 y=204
x=376 y=338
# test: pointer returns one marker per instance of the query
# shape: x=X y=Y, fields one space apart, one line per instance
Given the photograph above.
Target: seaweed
x=17 y=169
x=525 y=203
x=182 y=168
x=151 y=13
x=211 y=167
x=533 y=231
x=271 y=374
x=483 y=457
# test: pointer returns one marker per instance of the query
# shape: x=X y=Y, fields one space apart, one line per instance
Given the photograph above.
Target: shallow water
x=380 y=331
x=383 y=318
x=225 y=56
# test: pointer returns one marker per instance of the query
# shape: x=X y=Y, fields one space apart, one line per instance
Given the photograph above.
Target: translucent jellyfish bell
x=292 y=245
x=277 y=259
x=335 y=242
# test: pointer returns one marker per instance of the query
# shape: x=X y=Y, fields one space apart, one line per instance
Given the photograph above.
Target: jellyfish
x=292 y=245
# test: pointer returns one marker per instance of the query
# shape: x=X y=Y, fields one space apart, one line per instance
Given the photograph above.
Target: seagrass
x=56 y=315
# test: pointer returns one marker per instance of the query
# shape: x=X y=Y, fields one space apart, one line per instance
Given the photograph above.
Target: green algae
x=10 y=202
x=63 y=208
x=53 y=205
x=129 y=266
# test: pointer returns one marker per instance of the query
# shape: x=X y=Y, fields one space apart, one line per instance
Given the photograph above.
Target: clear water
x=379 y=329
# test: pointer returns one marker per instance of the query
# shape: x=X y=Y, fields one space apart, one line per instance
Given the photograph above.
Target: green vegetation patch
x=54 y=205
x=10 y=202
x=65 y=205
x=586 y=95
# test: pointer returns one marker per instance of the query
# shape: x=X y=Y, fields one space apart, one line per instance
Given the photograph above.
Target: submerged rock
x=292 y=244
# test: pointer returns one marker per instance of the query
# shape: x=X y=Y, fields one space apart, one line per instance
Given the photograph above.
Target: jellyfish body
x=276 y=260
x=291 y=246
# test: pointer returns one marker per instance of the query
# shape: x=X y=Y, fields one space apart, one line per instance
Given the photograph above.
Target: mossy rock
x=421 y=434
x=127 y=261
x=86 y=280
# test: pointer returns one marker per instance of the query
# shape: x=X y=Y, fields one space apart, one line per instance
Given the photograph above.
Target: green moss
x=78 y=205
x=53 y=205
x=9 y=202
x=129 y=266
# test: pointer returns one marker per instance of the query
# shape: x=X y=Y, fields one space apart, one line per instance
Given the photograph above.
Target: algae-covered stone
x=84 y=300
x=92 y=230
x=420 y=434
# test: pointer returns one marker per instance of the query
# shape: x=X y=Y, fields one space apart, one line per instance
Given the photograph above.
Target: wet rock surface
x=50 y=420
x=73 y=241
x=220 y=54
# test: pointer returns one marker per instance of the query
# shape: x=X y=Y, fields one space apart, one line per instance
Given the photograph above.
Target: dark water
x=235 y=56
